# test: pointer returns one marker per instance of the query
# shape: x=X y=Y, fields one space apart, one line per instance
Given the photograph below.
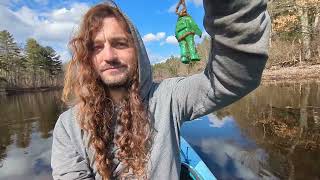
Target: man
x=122 y=125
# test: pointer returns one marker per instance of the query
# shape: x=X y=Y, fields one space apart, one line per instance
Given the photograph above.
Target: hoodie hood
x=144 y=67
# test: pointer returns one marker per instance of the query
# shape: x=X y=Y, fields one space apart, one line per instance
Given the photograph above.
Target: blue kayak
x=192 y=167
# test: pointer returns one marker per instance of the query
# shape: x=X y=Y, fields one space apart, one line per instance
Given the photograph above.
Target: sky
x=52 y=23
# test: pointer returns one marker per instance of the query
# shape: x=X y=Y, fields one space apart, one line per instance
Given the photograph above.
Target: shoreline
x=16 y=91
x=296 y=74
x=273 y=75
x=291 y=74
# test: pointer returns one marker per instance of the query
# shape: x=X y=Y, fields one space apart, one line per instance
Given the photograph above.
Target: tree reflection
x=5 y=140
x=284 y=119
x=22 y=115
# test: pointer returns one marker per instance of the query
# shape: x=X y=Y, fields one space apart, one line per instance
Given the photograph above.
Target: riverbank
x=269 y=76
x=12 y=91
x=291 y=74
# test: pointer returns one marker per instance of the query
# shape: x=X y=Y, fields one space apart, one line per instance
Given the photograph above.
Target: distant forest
x=32 y=66
x=295 y=40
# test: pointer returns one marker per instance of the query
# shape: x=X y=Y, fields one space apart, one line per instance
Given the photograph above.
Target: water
x=273 y=133
x=26 y=124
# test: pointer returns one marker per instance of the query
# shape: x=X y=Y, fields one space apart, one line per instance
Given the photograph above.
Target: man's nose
x=109 y=53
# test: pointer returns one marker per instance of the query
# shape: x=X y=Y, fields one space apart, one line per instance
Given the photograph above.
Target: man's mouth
x=116 y=68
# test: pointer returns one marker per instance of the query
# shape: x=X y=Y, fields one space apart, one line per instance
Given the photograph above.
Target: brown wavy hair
x=84 y=88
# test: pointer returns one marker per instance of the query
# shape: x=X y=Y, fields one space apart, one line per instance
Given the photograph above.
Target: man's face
x=114 y=55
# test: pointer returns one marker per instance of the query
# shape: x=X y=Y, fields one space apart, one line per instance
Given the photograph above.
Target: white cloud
x=156 y=58
x=43 y=2
x=53 y=28
x=74 y=14
x=4 y=2
x=218 y=123
x=39 y=150
x=153 y=37
x=171 y=40
x=27 y=15
x=14 y=24
x=55 y=31
x=65 y=55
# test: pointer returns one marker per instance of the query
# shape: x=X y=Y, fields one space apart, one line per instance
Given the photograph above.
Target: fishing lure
x=186 y=29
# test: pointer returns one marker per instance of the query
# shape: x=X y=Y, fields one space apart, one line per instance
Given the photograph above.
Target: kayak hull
x=192 y=163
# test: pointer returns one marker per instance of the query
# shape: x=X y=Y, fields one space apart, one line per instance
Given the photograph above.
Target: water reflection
x=273 y=133
x=226 y=151
x=282 y=121
x=26 y=123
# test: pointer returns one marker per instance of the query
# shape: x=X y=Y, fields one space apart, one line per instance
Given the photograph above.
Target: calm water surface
x=273 y=133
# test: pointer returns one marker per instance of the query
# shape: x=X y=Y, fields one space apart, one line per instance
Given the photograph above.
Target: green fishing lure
x=186 y=29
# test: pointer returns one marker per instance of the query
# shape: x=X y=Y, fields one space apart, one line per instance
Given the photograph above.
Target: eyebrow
x=117 y=38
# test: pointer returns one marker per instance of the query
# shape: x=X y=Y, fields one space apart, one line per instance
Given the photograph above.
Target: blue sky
x=53 y=22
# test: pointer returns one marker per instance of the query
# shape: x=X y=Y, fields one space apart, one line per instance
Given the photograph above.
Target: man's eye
x=121 y=45
x=97 y=47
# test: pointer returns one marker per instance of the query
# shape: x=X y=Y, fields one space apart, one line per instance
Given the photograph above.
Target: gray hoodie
x=240 y=32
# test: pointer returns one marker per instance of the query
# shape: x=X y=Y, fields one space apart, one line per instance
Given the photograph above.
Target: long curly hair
x=84 y=88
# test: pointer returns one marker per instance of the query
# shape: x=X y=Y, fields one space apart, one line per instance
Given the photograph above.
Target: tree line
x=294 y=40
x=33 y=66
x=285 y=122
x=295 y=32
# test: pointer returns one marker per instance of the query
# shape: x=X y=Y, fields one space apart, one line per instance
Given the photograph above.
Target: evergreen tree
x=33 y=60
x=51 y=62
x=10 y=57
x=36 y=67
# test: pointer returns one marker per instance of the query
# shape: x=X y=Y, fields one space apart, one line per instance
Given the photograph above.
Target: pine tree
x=33 y=61
x=10 y=57
x=51 y=63
x=43 y=64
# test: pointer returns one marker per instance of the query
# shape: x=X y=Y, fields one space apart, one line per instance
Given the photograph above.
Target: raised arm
x=240 y=33
x=66 y=161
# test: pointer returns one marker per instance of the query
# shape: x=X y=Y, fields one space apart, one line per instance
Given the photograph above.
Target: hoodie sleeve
x=239 y=30
x=66 y=162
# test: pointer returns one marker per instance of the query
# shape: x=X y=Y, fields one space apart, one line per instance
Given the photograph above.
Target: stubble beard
x=118 y=79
